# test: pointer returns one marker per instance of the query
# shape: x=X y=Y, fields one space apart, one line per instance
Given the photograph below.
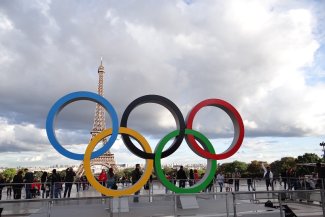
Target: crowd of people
x=51 y=185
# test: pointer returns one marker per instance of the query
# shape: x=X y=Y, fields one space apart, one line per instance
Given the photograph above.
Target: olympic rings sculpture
x=153 y=160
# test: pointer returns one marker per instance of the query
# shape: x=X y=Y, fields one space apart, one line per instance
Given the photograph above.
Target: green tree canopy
x=255 y=168
x=9 y=173
x=230 y=167
x=308 y=158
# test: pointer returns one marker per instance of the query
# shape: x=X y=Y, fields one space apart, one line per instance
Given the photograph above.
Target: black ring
x=168 y=104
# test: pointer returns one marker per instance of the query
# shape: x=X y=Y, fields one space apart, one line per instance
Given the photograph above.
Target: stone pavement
x=158 y=205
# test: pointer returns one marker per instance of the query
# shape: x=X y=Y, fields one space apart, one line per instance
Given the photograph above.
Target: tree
x=308 y=158
x=254 y=169
x=285 y=163
x=9 y=173
x=230 y=167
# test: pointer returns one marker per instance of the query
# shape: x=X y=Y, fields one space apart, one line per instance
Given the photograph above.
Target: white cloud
x=255 y=55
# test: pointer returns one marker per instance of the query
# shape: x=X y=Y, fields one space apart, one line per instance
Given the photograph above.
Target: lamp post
x=323 y=144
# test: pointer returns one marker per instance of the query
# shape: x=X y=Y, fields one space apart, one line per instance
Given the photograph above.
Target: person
x=69 y=177
x=220 y=180
x=77 y=182
x=291 y=178
x=196 y=176
x=84 y=182
x=102 y=178
x=209 y=186
x=250 y=184
x=2 y=184
x=236 y=176
x=18 y=184
x=230 y=182
x=123 y=181
x=43 y=182
x=191 y=178
x=55 y=184
x=136 y=175
x=320 y=174
x=9 y=187
x=268 y=176
x=284 y=178
x=29 y=179
x=181 y=176
x=60 y=186
x=35 y=189
x=111 y=182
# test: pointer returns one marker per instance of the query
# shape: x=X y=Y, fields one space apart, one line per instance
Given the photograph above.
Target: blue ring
x=72 y=97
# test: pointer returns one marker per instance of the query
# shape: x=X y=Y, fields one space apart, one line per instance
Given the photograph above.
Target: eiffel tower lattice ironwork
x=106 y=159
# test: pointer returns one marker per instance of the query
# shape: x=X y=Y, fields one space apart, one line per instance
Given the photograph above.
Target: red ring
x=237 y=122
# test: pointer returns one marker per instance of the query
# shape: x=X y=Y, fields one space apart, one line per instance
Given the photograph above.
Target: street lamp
x=323 y=144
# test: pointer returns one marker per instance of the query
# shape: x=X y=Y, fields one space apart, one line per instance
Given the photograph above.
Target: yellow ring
x=127 y=191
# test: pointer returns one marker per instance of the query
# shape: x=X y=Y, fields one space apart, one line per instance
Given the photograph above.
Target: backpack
x=267 y=175
x=269 y=204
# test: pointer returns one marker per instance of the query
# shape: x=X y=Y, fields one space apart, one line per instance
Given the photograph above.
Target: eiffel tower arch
x=99 y=125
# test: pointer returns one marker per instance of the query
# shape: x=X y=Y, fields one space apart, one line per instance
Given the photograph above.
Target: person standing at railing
x=268 y=176
x=111 y=179
x=18 y=184
x=102 y=178
x=191 y=178
x=77 y=182
x=220 y=180
x=69 y=177
x=55 y=182
x=2 y=184
x=196 y=176
x=136 y=175
x=237 y=176
x=43 y=182
x=9 y=187
x=181 y=176
x=29 y=179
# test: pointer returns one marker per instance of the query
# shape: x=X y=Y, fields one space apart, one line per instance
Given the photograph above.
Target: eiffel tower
x=107 y=159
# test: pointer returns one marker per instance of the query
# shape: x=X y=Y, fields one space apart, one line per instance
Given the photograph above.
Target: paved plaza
x=157 y=203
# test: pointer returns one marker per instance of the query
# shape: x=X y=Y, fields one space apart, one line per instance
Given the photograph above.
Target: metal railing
x=156 y=190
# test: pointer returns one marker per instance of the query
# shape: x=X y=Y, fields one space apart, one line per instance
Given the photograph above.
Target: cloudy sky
x=266 y=58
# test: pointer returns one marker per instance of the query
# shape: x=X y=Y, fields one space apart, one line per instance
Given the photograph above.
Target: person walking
x=250 y=184
x=268 y=176
x=18 y=184
x=69 y=177
x=136 y=175
x=220 y=180
x=181 y=176
x=284 y=178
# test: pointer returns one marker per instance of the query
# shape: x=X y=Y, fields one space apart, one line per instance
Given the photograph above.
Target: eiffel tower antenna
x=99 y=125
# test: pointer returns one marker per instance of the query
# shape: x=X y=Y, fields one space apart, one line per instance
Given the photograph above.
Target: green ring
x=211 y=166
